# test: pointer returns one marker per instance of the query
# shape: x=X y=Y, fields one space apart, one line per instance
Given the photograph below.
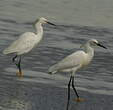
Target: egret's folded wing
x=65 y=65
x=22 y=43
x=68 y=62
x=11 y=48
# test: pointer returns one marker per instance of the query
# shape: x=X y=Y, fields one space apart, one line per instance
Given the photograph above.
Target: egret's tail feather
x=6 y=51
x=53 y=69
x=52 y=72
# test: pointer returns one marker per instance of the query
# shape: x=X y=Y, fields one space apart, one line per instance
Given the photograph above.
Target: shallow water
x=38 y=90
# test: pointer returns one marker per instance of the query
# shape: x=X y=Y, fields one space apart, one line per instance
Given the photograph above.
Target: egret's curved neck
x=89 y=50
x=39 y=29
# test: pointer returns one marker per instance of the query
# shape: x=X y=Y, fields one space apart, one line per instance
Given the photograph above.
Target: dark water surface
x=40 y=91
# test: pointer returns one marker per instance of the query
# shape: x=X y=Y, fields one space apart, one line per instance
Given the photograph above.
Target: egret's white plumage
x=26 y=42
x=70 y=63
x=75 y=61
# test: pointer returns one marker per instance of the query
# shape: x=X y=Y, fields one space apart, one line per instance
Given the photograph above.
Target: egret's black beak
x=101 y=45
x=51 y=23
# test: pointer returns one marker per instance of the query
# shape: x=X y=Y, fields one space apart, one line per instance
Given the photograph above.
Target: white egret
x=26 y=42
x=74 y=62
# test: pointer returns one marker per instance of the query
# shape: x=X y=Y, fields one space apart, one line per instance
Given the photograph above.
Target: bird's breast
x=86 y=61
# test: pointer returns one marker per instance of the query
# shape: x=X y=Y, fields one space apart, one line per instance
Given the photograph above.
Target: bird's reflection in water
x=16 y=98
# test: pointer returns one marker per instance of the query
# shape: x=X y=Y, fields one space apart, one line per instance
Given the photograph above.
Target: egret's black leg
x=19 y=66
x=73 y=86
x=14 y=60
x=68 y=93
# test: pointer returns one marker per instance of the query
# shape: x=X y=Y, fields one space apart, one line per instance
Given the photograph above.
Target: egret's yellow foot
x=20 y=74
x=79 y=100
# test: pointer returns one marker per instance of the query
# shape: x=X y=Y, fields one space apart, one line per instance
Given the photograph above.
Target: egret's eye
x=93 y=43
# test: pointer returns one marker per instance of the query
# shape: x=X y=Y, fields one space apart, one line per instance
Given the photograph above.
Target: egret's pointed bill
x=51 y=23
x=101 y=45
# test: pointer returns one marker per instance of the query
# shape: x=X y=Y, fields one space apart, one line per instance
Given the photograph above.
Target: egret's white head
x=43 y=20
x=94 y=42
